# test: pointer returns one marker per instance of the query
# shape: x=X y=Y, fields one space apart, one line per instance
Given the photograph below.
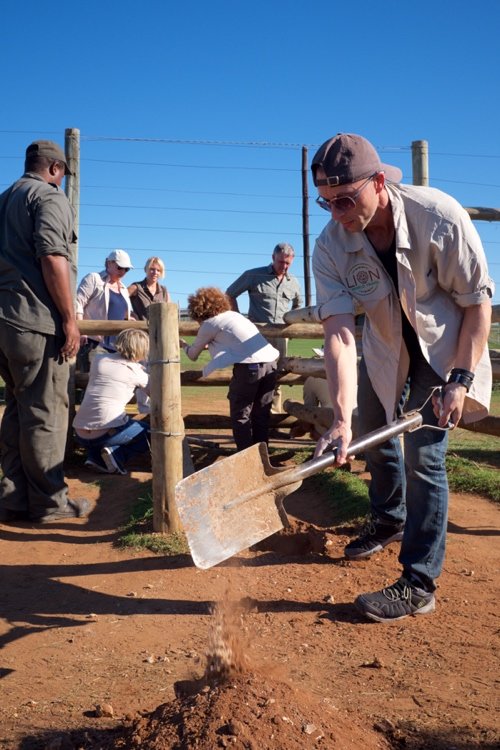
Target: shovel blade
x=216 y=531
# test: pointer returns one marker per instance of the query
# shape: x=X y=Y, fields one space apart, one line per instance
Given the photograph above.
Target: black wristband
x=460 y=371
x=462 y=377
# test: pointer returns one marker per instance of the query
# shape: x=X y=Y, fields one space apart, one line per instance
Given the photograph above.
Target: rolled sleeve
x=462 y=267
x=475 y=298
x=53 y=230
x=331 y=295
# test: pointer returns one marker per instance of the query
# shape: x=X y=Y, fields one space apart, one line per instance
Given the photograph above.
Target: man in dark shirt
x=38 y=335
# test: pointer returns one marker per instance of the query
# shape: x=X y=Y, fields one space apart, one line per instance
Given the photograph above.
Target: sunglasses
x=122 y=268
x=344 y=202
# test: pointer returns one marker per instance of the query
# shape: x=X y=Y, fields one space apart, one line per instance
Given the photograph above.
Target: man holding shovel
x=412 y=259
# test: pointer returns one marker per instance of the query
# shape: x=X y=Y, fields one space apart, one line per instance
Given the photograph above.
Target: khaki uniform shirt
x=269 y=297
x=441 y=270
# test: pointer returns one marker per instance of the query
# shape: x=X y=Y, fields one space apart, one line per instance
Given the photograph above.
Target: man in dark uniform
x=38 y=335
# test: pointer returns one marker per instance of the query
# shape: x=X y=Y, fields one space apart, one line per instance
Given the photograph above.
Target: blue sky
x=163 y=93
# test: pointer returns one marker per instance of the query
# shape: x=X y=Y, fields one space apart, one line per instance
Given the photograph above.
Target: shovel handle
x=407 y=423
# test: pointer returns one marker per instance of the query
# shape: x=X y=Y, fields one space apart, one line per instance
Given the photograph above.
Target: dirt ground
x=105 y=647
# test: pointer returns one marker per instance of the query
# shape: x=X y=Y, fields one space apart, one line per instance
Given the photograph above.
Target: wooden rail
x=166 y=380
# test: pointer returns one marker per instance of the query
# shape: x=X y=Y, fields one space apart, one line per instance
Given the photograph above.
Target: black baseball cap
x=348 y=158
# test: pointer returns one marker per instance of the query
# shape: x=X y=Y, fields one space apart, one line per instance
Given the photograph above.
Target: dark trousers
x=250 y=398
x=34 y=426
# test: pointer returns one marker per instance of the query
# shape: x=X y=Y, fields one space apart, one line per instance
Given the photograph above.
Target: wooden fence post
x=420 y=162
x=72 y=190
x=167 y=427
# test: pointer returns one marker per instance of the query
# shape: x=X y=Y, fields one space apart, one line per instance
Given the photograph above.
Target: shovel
x=235 y=503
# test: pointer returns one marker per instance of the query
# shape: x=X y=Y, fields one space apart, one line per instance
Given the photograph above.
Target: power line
x=187 y=208
x=136 y=188
x=188 y=229
x=190 y=166
x=241 y=144
x=188 y=192
x=209 y=272
x=178 y=141
x=176 y=251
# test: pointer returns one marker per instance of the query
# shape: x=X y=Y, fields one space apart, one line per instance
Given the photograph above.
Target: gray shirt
x=36 y=219
x=269 y=297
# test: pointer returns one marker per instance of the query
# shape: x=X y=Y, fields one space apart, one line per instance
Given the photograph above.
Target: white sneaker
x=111 y=462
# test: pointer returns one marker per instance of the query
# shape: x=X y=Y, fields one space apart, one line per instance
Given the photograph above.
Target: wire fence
x=212 y=209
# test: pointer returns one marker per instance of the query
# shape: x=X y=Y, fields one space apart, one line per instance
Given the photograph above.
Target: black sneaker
x=74 y=509
x=395 y=602
x=10 y=516
x=374 y=537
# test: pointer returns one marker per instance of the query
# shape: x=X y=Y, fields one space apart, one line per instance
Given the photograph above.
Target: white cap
x=121 y=258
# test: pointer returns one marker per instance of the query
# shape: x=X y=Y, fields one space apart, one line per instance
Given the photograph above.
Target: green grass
x=303 y=347
x=465 y=475
x=138 y=531
x=345 y=494
x=208 y=394
x=296 y=348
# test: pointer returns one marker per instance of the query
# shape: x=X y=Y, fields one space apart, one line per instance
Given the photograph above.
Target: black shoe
x=279 y=434
x=74 y=509
x=395 y=602
x=9 y=516
x=374 y=537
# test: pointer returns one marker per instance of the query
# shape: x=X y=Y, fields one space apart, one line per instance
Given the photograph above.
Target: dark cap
x=347 y=158
x=50 y=150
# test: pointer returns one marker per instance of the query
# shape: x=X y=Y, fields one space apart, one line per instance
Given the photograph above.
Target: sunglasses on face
x=122 y=268
x=344 y=202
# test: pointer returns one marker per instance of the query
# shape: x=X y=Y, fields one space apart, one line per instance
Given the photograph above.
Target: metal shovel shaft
x=407 y=423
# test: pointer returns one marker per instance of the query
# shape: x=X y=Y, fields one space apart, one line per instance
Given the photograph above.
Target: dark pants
x=250 y=398
x=34 y=426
